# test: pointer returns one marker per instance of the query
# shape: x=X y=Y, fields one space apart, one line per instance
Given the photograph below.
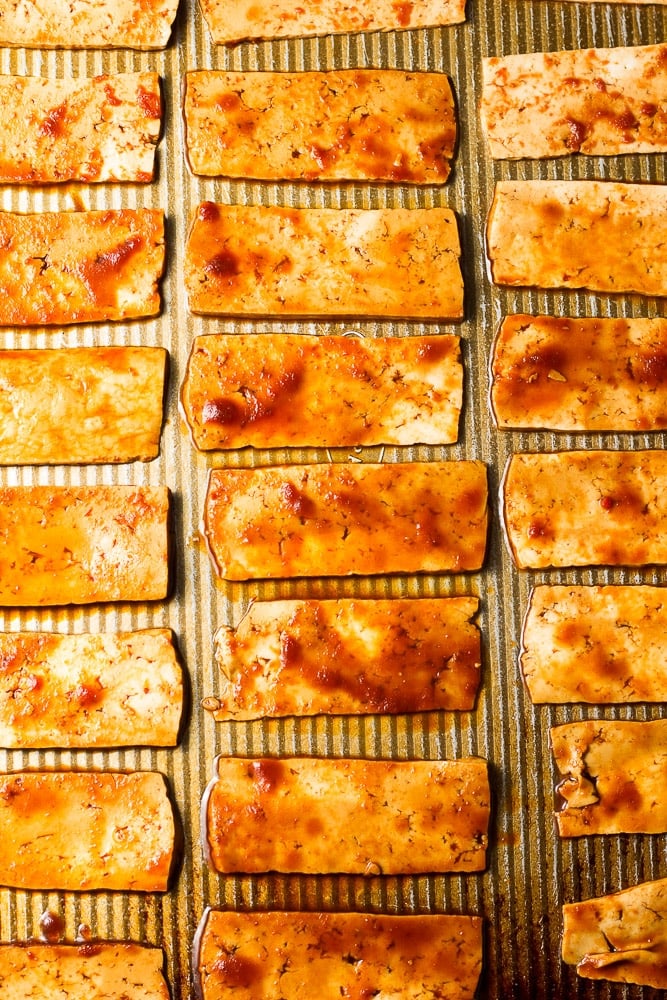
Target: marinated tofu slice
x=601 y=102
x=81 y=405
x=282 y=390
x=601 y=645
x=97 y=970
x=613 y=777
x=330 y=955
x=83 y=544
x=586 y=374
x=231 y=21
x=361 y=124
x=84 y=24
x=346 y=519
x=89 y=690
x=86 y=831
x=587 y=508
x=621 y=937
x=304 y=815
x=275 y=261
x=80 y=267
x=104 y=128
x=605 y=236
x=348 y=656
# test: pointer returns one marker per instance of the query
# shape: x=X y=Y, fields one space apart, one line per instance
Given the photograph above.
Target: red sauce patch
x=149 y=102
x=209 y=211
x=267 y=774
x=295 y=501
x=53 y=123
x=220 y=411
x=224 y=265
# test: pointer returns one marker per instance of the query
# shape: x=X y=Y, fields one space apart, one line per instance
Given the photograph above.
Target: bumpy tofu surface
x=303 y=815
x=281 y=956
x=346 y=519
x=86 y=830
x=83 y=24
x=282 y=390
x=385 y=125
x=276 y=261
x=89 y=690
x=348 y=656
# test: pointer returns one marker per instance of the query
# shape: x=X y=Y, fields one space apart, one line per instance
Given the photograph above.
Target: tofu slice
x=81 y=405
x=98 y=970
x=360 y=124
x=330 y=955
x=613 y=777
x=83 y=24
x=104 y=128
x=601 y=645
x=586 y=374
x=86 y=830
x=231 y=21
x=604 y=236
x=587 y=508
x=348 y=656
x=80 y=267
x=89 y=690
x=276 y=261
x=83 y=544
x=621 y=937
x=346 y=519
x=282 y=390
x=601 y=102
x=303 y=815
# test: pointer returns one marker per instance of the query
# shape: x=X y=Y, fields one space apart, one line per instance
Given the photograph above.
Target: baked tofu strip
x=86 y=830
x=280 y=390
x=333 y=955
x=605 y=236
x=348 y=656
x=97 y=970
x=84 y=24
x=602 y=102
x=274 y=261
x=346 y=519
x=365 y=817
x=580 y=374
x=82 y=544
x=89 y=690
x=587 y=508
x=614 y=777
x=231 y=21
x=361 y=124
x=621 y=937
x=104 y=128
x=81 y=405
x=600 y=645
x=80 y=267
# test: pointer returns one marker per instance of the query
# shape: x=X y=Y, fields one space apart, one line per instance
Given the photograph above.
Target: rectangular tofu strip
x=614 y=776
x=604 y=236
x=275 y=261
x=80 y=267
x=86 y=831
x=346 y=519
x=601 y=102
x=587 y=508
x=305 y=815
x=89 y=690
x=285 y=955
x=585 y=374
x=83 y=544
x=96 y=970
x=621 y=937
x=81 y=405
x=600 y=645
x=284 y=390
x=360 y=124
x=348 y=656
x=231 y=21
x=84 y=24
